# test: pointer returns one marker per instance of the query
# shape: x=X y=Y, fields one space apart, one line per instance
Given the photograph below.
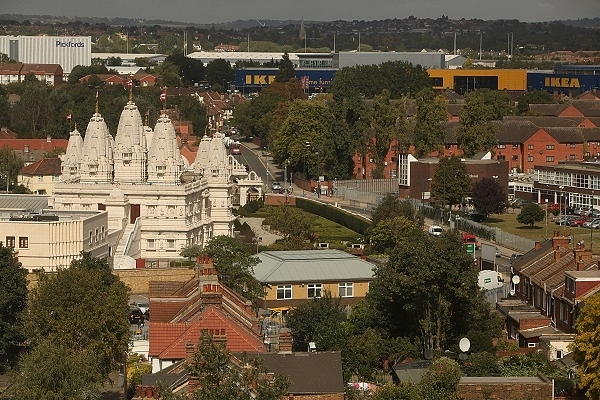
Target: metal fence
x=496 y=235
x=369 y=192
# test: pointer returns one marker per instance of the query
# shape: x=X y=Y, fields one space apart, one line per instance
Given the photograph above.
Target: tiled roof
x=44 y=166
x=34 y=144
x=188 y=154
x=589 y=108
x=547 y=109
x=546 y=121
x=574 y=134
x=515 y=131
x=41 y=68
x=310 y=373
x=167 y=341
x=454 y=109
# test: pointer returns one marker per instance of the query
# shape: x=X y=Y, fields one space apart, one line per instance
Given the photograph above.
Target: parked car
x=136 y=316
x=564 y=219
x=518 y=203
x=592 y=223
x=514 y=257
x=142 y=305
x=276 y=186
x=554 y=207
x=435 y=230
x=578 y=221
x=476 y=216
x=498 y=252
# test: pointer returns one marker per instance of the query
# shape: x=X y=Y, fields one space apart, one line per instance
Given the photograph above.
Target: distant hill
x=583 y=23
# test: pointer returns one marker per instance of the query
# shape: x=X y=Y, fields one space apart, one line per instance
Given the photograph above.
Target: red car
x=579 y=221
x=553 y=207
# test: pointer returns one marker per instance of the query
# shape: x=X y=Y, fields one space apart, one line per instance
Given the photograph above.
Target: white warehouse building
x=68 y=51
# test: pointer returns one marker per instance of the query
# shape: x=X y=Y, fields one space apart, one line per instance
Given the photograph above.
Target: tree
x=13 y=298
x=481 y=364
x=451 y=182
x=81 y=310
x=286 y=69
x=57 y=370
x=586 y=346
x=530 y=214
x=219 y=71
x=31 y=113
x=10 y=165
x=387 y=124
x=403 y=391
x=391 y=206
x=234 y=263
x=428 y=291
x=191 y=109
x=488 y=196
x=476 y=131
x=534 y=97
x=387 y=233
x=221 y=377
x=293 y=224
x=429 y=132
x=441 y=380
x=320 y=321
x=192 y=251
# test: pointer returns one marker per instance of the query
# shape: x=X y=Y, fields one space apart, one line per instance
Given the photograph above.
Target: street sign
x=470 y=248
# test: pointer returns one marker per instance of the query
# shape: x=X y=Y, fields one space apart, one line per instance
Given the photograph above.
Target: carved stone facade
x=155 y=200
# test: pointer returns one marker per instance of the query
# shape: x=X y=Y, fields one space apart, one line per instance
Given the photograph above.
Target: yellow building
x=293 y=277
x=465 y=80
x=41 y=176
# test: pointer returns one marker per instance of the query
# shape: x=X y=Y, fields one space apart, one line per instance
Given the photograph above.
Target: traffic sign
x=470 y=248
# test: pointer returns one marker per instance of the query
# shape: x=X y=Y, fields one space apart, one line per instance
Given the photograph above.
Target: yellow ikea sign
x=259 y=79
x=561 y=82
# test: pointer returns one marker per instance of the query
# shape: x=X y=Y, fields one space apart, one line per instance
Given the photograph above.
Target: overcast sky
x=215 y=11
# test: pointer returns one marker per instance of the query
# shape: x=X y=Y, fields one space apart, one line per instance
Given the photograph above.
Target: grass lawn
x=508 y=223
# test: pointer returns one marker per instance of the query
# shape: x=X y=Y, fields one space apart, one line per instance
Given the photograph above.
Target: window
x=549 y=158
x=10 y=241
x=150 y=243
x=346 y=289
x=501 y=158
x=515 y=157
x=284 y=292
x=91 y=237
x=501 y=146
x=570 y=285
x=558 y=354
x=530 y=158
x=314 y=290
x=572 y=157
x=170 y=243
x=572 y=145
x=40 y=178
x=549 y=147
x=55 y=178
x=530 y=147
x=23 y=242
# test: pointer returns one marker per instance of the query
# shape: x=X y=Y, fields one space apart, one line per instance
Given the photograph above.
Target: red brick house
x=52 y=74
x=181 y=311
x=555 y=278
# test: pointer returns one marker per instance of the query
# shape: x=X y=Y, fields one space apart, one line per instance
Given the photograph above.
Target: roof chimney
x=538 y=245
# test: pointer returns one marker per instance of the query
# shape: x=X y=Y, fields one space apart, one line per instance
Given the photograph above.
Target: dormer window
x=570 y=285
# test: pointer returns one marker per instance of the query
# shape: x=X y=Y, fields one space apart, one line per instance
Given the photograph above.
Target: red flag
x=129 y=82
x=163 y=96
x=69 y=117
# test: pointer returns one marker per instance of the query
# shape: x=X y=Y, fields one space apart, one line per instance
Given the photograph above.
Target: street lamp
x=307 y=144
x=560 y=205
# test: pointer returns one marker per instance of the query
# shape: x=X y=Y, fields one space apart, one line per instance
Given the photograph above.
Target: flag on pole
x=163 y=96
x=129 y=82
x=69 y=117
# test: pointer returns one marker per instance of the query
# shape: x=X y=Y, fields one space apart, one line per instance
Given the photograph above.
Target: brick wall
x=505 y=391
x=137 y=279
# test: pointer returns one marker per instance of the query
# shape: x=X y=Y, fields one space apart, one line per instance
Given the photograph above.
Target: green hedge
x=354 y=222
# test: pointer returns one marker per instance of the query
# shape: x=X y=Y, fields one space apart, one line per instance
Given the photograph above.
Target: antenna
x=261 y=23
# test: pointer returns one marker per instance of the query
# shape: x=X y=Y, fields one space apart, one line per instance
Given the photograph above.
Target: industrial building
x=67 y=51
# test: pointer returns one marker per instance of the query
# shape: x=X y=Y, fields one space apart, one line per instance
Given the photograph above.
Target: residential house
x=181 y=311
x=291 y=278
x=555 y=278
x=51 y=74
x=41 y=176
x=313 y=376
x=32 y=150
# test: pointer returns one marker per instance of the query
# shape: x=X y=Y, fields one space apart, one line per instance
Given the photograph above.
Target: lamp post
x=318 y=175
x=560 y=205
x=307 y=144
x=592 y=229
x=267 y=166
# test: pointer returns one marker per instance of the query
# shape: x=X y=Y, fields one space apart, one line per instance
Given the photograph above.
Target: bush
x=356 y=223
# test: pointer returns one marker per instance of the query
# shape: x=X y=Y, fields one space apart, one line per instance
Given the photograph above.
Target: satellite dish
x=516 y=279
x=428 y=354
x=464 y=345
x=463 y=356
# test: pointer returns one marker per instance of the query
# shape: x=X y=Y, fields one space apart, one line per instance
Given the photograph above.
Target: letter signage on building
x=61 y=43
x=561 y=82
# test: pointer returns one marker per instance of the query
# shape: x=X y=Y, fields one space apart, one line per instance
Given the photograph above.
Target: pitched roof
x=34 y=144
x=574 y=134
x=552 y=109
x=47 y=69
x=44 y=166
x=310 y=265
x=168 y=340
x=515 y=131
x=310 y=373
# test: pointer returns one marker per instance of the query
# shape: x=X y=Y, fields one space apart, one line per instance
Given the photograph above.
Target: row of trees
x=365 y=114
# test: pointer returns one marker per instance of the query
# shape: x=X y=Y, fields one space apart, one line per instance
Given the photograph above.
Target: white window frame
x=346 y=289
x=316 y=288
x=284 y=292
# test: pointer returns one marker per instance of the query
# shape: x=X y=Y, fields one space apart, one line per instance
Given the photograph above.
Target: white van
x=435 y=230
